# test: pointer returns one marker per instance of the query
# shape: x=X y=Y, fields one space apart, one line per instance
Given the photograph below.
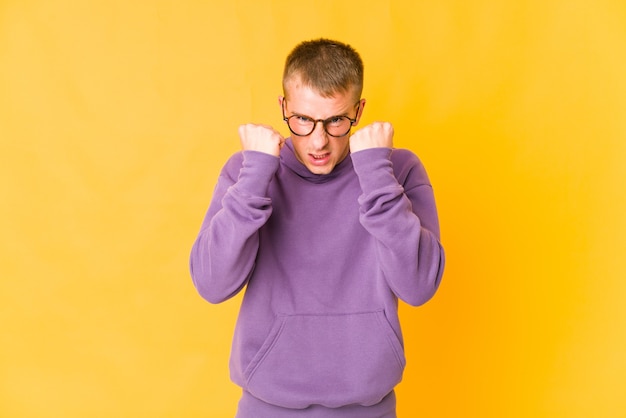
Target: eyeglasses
x=336 y=126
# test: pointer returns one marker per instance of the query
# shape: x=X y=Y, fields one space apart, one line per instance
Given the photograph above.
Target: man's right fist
x=261 y=138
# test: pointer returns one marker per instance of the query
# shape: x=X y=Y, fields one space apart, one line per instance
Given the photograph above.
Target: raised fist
x=375 y=135
x=261 y=138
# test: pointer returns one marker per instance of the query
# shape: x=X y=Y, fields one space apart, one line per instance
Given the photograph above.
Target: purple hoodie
x=325 y=259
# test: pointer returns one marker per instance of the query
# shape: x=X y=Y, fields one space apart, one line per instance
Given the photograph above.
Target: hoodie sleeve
x=397 y=207
x=223 y=255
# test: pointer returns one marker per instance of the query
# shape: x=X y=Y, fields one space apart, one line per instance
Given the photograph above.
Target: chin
x=321 y=170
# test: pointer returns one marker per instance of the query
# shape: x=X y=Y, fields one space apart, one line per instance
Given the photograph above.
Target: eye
x=302 y=120
x=335 y=121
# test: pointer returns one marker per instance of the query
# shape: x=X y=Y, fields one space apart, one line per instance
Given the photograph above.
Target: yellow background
x=115 y=117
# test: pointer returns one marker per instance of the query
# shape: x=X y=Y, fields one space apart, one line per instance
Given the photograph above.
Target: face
x=318 y=151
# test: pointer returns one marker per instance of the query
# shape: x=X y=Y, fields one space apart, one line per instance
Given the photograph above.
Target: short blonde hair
x=326 y=66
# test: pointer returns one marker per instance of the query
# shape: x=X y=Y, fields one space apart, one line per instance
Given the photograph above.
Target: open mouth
x=319 y=157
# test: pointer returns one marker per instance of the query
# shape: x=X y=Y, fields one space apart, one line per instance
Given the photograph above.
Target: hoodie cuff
x=374 y=169
x=257 y=171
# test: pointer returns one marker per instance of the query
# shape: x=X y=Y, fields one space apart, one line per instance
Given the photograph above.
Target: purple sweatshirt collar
x=289 y=159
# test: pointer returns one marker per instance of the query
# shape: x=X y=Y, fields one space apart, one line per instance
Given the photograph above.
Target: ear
x=280 y=101
x=360 y=111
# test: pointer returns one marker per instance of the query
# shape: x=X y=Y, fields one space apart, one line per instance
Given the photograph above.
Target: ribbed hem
x=251 y=407
x=374 y=168
x=256 y=172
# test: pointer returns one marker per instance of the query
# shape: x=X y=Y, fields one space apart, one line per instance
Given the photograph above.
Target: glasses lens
x=303 y=126
x=300 y=125
x=338 y=126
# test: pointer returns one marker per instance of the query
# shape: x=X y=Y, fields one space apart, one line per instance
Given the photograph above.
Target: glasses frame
x=323 y=121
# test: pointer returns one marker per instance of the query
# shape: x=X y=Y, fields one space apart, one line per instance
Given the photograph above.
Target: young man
x=325 y=230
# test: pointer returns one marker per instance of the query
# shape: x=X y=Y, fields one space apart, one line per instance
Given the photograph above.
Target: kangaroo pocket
x=331 y=360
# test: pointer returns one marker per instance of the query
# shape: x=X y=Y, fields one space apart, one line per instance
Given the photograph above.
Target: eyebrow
x=311 y=118
x=345 y=114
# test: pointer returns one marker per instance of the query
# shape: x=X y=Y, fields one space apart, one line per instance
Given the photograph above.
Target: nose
x=319 y=138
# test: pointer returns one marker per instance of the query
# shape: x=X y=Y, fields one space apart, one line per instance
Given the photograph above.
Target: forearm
x=404 y=224
x=222 y=257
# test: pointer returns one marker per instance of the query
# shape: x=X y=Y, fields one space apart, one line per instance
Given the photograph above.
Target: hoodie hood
x=289 y=159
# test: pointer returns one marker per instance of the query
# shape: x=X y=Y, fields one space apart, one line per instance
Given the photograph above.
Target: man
x=326 y=230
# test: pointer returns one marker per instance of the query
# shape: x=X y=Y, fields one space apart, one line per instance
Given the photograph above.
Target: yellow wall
x=116 y=116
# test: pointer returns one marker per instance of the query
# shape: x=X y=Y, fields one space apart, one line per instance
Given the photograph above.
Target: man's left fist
x=375 y=135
